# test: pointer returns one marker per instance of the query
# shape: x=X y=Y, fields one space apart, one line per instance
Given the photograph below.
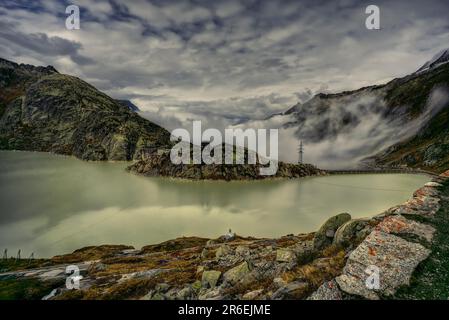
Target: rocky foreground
x=407 y=243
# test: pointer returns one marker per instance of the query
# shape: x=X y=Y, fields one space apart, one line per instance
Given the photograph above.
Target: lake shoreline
x=316 y=265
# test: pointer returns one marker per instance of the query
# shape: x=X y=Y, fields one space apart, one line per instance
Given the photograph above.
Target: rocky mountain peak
x=437 y=60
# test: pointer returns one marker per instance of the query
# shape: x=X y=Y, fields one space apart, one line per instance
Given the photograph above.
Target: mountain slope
x=348 y=129
x=43 y=110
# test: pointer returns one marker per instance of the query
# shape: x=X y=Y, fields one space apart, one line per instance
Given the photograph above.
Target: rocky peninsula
x=407 y=243
x=158 y=164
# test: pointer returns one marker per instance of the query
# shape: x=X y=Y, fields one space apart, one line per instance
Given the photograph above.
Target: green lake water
x=53 y=204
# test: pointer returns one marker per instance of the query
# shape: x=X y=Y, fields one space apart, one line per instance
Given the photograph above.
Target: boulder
x=199 y=269
x=211 y=294
x=242 y=250
x=196 y=286
x=293 y=290
x=235 y=274
x=324 y=236
x=252 y=295
x=204 y=253
x=223 y=250
x=327 y=291
x=184 y=293
x=394 y=257
x=351 y=232
x=285 y=255
x=210 y=278
x=305 y=252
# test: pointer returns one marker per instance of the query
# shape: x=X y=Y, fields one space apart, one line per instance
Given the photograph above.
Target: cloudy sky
x=223 y=61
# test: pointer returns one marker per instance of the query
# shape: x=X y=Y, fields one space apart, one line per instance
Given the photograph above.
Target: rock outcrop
x=43 y=110
x=391 y=252
x=324 y=236
x=158 y=164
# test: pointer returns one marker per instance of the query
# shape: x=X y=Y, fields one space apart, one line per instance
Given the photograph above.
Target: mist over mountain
x=342 y=130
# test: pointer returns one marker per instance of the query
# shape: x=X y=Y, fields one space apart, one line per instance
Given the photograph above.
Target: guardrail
x=380 y=171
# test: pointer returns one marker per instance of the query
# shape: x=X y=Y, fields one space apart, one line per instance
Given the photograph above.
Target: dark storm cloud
x=41 y=44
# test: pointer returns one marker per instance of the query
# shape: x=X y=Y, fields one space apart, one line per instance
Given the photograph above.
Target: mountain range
x=404 y=122
x=43 y=110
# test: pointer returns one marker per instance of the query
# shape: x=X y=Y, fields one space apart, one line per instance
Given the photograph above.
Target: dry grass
x=320 y=270
x=90 y=253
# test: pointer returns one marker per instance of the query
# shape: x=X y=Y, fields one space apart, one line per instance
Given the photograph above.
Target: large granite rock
x=235 y=274
x=327 y=291
x=352 y=232
x=324 y=236
x=394 y=257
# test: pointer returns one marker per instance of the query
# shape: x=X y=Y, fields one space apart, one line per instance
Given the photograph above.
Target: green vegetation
x=25 y=289
x=12 y=264
x=431 y=279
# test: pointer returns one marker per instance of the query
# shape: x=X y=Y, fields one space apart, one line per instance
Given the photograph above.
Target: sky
x=224 y=62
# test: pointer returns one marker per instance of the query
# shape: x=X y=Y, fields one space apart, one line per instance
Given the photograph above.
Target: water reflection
x=54 y=204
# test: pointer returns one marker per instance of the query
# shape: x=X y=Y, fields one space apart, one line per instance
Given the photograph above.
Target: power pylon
x=301 y=152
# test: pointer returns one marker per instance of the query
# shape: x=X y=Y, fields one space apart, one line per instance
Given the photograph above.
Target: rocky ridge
x=394 y=248
x=158 y=164
x=43 y=110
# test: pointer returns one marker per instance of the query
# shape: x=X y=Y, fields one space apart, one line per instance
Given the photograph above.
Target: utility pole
x=301 y=152
x=31 y=257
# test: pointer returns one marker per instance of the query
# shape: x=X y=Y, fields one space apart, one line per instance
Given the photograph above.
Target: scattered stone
x=210 y=243
x=293 y=290
x=196 y=286
x=252 y=295
x=161 y=287
x=210 y=278
x=142 y=274
x=279 y=282
x=200 y=269
x=223 y=250
x=99 y=267
x=157 y=296
x=285 y=255
x=211 y=294
x=323 y=237
x=52 y=294
x=237 y=273
x=304 y=252
x=204 y=253
x=184 y=293
x=327 y=291
x=433 y=184
x=242 y=250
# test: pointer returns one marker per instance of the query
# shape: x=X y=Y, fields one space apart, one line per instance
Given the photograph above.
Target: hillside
x=43 y=110
x=401 y=123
